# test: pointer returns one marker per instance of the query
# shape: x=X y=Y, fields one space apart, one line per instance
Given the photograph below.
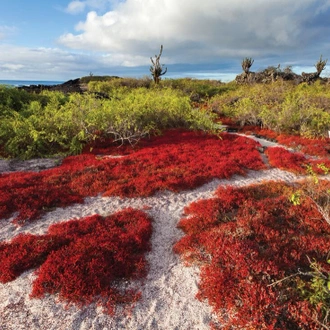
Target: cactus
x=246 y=64
x=156 y=68
x=320 y=65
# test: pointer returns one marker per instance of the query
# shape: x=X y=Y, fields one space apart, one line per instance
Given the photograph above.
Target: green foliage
x=295 y=198
x=109 y=87
x=38 y=130
x=87 y=79
x=280 y=106
x=132 y=114
x=12 y=99
x=316 y=289
x=201 y=87
x=65 y=123
x=314 y=286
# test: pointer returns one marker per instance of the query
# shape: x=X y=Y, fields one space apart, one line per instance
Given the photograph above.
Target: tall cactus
x=246 y=64
x=320 y=65
x=156 y=68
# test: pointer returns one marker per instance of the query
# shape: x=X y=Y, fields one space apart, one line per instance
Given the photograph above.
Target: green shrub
x=108 y=87
x=139 y=112
x=280 y=106
x=12 y=99
x=67 y=122
x=202 y=88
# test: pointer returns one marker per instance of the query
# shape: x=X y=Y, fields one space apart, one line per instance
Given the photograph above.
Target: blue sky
x=63 y=39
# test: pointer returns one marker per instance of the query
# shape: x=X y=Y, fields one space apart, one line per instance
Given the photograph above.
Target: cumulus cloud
x=194 y=32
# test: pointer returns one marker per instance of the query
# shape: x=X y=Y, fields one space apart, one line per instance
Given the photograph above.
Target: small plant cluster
x=294 y=161
x=255 y=249
x=83 y=260
x=176 y=161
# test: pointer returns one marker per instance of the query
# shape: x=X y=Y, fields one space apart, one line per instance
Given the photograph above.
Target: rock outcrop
x=79 y=85
x=70 y=86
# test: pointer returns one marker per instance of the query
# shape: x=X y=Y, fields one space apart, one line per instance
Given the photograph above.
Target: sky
x=207 y=39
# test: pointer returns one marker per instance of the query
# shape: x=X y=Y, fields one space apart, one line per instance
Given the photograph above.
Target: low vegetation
x=57 y=123
x=168 y=162
x=83 y=260
x=281 y=106
x=258 y=253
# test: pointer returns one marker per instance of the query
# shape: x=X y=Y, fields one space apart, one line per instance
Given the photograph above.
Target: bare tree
x=156 y=68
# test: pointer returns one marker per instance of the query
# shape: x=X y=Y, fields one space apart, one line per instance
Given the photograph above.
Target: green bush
x=67 y=122
x=280 y=106
x=12 y=99
x=108 y=87
x=201 y=88
x=132 y=114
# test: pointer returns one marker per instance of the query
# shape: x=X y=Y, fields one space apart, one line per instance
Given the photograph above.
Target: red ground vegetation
x=314 y=147
x=83 y=260
x=176 y=161
x=294 y=161
x=247 y=238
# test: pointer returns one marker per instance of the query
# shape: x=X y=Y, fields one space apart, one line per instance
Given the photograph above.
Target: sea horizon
x=18 y=83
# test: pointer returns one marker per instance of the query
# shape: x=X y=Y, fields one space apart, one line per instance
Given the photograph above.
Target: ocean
x=18 y=83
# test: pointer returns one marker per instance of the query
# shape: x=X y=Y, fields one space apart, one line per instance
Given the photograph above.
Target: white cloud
x=193 y=31
x=46 y=63
x=78 y=6
x=12 y=67
x=75 y=7
x=118 y=37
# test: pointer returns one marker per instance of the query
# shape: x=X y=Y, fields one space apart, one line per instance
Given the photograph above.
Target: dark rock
x=70 y=86
x=79 y=85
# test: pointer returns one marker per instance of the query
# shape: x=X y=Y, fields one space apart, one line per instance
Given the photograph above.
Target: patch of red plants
x=175 y=161
x=314 y=147
x=245 y=239
x=83 y=260
x=294 y=161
